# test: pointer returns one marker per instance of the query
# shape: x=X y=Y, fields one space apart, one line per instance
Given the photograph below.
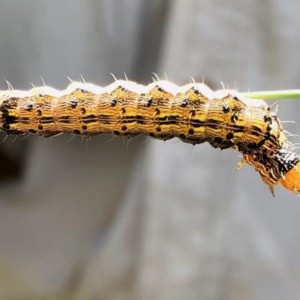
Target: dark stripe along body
x=193 y=113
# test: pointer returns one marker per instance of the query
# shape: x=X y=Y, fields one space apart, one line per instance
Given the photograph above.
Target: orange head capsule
x=291 y=180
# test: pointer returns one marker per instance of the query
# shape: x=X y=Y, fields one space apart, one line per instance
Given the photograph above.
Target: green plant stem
x=275 y=95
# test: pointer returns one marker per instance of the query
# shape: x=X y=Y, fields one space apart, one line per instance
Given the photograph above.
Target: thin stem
x=283 y=94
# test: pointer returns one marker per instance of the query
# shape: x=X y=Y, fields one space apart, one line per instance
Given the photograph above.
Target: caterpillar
x=193 y=113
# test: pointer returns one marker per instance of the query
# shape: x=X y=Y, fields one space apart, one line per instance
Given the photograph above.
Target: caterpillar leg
x=252 y=160
x=267 y=181
x=241 y=164
x=272 y=190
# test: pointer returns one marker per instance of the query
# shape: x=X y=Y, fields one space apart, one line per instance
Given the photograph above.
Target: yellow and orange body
x=193 y=113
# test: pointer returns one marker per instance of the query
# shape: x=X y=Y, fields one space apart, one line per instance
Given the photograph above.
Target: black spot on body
x=234 y=118
x=76 y=131
x=83 y=110
x=191 y=131
x=116 y=132
x=28 y=107
x=113 y=102
x=124 y=127
x=192 y=113
x=184 y=103
x=40 y=127
x=196 y=91
x=267 y=119
x=123 y=110
x=39 y=112
x=226 y=109
x=73 y=103
x=229 y=136
x=157 y=111
x=149 y=102
x=84 y=127
x=158 y=129
x=122 y=88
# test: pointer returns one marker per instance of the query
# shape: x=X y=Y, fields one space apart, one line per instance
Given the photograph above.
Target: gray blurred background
x=108 y=218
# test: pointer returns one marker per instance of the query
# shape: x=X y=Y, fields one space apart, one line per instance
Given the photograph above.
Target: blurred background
x=108 y=218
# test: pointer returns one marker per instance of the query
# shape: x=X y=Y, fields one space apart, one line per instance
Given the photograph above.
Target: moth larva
x=193 y=113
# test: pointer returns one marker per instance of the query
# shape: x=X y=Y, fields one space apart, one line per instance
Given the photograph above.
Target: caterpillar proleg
x=193 y=113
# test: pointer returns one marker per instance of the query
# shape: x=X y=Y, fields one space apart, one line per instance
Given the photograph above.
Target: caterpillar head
x=291 y=180
x=283 y=168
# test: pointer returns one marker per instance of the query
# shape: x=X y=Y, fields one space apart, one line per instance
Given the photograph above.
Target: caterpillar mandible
x=193 y=113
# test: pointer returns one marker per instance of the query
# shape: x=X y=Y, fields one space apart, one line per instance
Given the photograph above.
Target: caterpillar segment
x=193 y=113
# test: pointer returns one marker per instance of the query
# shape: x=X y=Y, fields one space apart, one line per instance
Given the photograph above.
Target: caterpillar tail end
x=291 y=180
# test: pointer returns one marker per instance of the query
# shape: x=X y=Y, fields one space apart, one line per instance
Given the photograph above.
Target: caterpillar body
x=193 y=113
